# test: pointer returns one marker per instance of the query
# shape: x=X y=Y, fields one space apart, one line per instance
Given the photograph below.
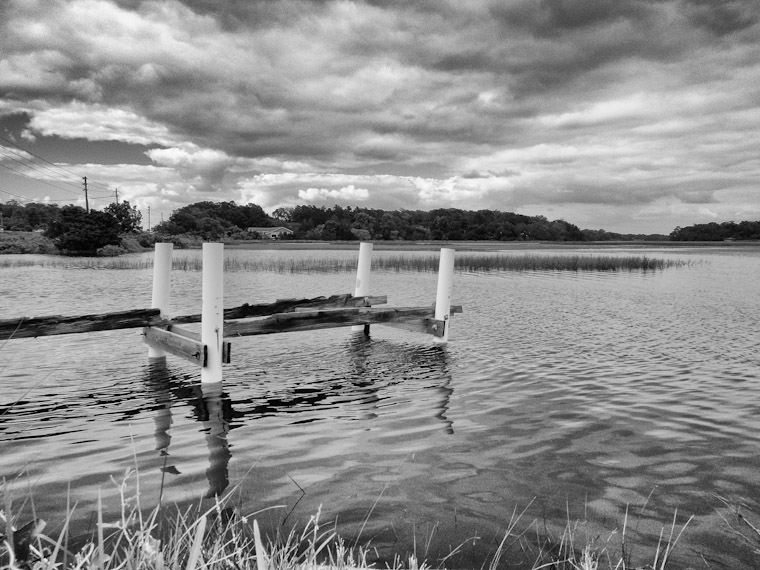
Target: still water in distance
x=574 y=395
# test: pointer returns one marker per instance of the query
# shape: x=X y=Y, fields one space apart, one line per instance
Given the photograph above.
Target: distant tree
x=212 y=220
x=32 y=216
x=129 y=217
x=284 y=215
x=77 y=232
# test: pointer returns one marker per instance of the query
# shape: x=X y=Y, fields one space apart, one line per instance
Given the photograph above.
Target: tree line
x=75 y=231
x=218 y=220
x=717 y=232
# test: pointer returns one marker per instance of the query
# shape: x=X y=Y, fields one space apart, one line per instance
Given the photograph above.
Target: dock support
x=162 y=274
x=362 y=278
x=212 y=311
x=443 y=295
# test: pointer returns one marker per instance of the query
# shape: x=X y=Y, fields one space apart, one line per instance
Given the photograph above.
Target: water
x=571 y=395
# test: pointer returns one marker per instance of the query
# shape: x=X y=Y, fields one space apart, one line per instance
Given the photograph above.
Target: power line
x=25 y=175
x=27 y=166
x=32 y=201
x=69 y=172
x=65 y=175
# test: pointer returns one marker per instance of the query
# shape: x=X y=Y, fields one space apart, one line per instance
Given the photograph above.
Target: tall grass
x=219 y=537
x=222 y=537
x=398 y=263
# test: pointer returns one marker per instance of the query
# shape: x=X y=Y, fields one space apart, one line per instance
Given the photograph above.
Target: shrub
x=110 y=251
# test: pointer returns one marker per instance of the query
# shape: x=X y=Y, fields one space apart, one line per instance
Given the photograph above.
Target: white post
x=162 y=275
x=212 y=312
x=443 y=296
x=362 y=278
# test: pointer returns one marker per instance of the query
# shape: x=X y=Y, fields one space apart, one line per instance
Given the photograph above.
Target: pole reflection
x=430 y=362
x=369 y=363
x=211 y=406
x=216 y=415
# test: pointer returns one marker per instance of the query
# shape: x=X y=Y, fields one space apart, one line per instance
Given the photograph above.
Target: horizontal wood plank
x=56 y=324
x=246 y=311
x=24 y=327
x=323 y=319
x=425 y=325
x=191 y=350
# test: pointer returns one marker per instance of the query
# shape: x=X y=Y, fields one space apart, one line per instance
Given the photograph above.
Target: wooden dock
x=167 y=335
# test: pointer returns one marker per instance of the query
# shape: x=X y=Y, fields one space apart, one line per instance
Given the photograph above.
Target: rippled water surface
x=574 y=395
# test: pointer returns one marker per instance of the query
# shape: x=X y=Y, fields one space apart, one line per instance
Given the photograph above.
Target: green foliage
x=25 y=242
x=213 y=220
x=77 y=232
x=129 y=217
x=27 y=218
x=718 y=232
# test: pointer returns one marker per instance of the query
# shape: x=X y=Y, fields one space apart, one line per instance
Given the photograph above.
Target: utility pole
x=117 y=195
x=86 y=199
x=148 y=218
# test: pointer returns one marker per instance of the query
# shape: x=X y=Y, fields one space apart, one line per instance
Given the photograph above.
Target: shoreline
x=485 y=246
x=29 y=243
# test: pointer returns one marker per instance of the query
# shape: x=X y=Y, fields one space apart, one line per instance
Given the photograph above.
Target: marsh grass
x=219 y=537
x=222 y=537
x=739 y=524
x=426 y=263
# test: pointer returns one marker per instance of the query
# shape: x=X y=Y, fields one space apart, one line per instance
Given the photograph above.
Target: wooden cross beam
x=55 y=324
x=421 y=317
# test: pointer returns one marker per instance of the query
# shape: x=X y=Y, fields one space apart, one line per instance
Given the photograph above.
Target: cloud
x=192 y=163
x=97 y=122
x=575 y=106
x=350 y=193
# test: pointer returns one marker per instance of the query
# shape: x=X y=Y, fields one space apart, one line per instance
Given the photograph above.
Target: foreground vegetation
x=221 y=537
x=463 y=262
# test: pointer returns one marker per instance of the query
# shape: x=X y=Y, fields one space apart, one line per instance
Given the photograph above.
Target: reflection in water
x=216 y=412
x=157 y=383
x=374 y=374
x=431 y=361
x=211 y=407
x=581 y=390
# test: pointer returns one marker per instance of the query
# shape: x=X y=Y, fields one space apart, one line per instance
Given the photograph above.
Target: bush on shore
x=25 y=242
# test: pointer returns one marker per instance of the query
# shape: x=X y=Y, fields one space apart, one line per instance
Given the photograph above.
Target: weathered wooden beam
x=23 y=327
x=178 y=345
x=323 y=319
x=425 y=325
x=453 y=309
x=56 y=324
x=288 y=305
x=196 y=336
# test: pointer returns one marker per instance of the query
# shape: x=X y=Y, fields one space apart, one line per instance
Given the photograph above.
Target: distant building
x=271 y=233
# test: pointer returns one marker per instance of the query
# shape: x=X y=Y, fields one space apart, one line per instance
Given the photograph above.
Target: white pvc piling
x=212 y=312
x=362 y=278
x=162 y=275
x=443 y=295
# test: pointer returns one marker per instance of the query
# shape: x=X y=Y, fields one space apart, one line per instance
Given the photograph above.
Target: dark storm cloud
x=567 y=103
x=723 y=18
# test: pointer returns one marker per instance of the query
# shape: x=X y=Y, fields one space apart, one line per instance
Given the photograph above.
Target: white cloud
x=97 y=122
x=349 y=192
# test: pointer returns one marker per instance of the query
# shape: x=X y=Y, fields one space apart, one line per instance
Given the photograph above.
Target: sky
x=635 y=116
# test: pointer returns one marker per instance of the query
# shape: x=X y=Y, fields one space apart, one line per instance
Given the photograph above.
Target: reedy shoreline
x=464 y=262
x=221 y=537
